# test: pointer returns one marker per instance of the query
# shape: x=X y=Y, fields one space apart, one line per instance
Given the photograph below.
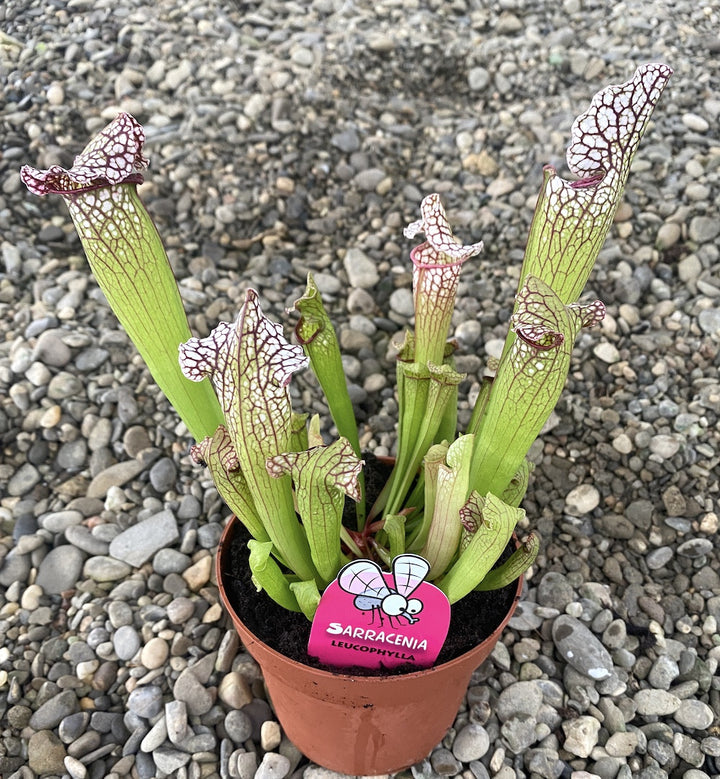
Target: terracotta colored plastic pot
x=361 y=725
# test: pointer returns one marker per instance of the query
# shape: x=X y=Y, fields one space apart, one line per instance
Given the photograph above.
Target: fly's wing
x=363 y=577
x=409 y=570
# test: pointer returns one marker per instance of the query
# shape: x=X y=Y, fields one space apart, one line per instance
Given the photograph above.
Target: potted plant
x=450 y=503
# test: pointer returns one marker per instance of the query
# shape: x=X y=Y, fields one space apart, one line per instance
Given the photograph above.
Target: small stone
x=114 y=476
x=135 y=440
x=247 y=765
x=361 y=270
x=664 y=446
x=53 y=711
x=471 y=743
x=694 y=714
x=146 y=701
x=198 y=575
x=120 y=614
x=445 y=763
x=105 y=569
x=140 y=542
x=176 y=722
x=582 y=500
x=81 y=537
x=51 y=349
x=347 y=141
x=23 y=480
x=581 y=649
x=60 y=569
x=695 y=548
x=126 y=642
x=478 y=79
x=622 y=744
x=163 y=475
x=709 y=321
x=519 y=698
x=663 y=673
x=401 y=302
x=658 y=703
x=368 y=179
x=270 y=735
x=606 y=352
x=55 y=94
x=234 y=690
x=581 y=735
x=75 y=768
x=169 y=761
x=238 y=726
x=154 y=653
x=197 y=698
x=668 y=235
x=46 y=753
x=519 y=733
x=695 y=123
x=704 y=229
x=155 y=737
x=180 y=610
x=273 y=766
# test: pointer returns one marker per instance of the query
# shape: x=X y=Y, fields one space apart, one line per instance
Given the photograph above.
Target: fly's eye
x=415 y=606
x=394 y=605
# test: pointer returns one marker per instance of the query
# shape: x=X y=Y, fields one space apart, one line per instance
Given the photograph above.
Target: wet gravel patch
x=288 y=137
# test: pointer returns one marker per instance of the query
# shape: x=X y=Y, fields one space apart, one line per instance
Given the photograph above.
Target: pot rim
x=366 y=679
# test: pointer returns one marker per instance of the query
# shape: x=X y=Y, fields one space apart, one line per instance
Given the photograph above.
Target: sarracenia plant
x=452 y=499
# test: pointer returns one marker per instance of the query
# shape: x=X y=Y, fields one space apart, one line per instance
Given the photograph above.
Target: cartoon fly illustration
x=364 y=579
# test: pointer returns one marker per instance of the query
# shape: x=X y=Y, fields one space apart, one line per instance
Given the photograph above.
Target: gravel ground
x=288 y=136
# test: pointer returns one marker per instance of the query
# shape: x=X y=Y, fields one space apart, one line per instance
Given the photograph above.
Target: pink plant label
x=380 y=620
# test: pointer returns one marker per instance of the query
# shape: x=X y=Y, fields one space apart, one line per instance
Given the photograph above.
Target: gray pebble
x=60 y=569
x=518 y=732
x=555 y=591
x=581 y=649
x=51 y=349
x=401 y=302
x=53 y=711
x=361 y=270
x=146 y=701
x=82 y=538
x=657 y=703
x=59 y=521
x=694 y=714
x=105 y=569
x=176 y=722
x=659 y=558
x=119 y=613
x=445 y=763
x=126 y=642
x=73 y=726
x=703 y=229
x=663 y=673
x=198 y=698
x=246 y=764
x=695 y=548
x=163 y=475
x=471 y=743
x=519 y=698
x=169 y=761
x=170 y=561
x=140 y=542
x=113 y=476
x=23 y=480
x=273 y=766
x=238 y=726
x=15 y=568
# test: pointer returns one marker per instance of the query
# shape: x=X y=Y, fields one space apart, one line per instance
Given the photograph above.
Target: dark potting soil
x=472 y=619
